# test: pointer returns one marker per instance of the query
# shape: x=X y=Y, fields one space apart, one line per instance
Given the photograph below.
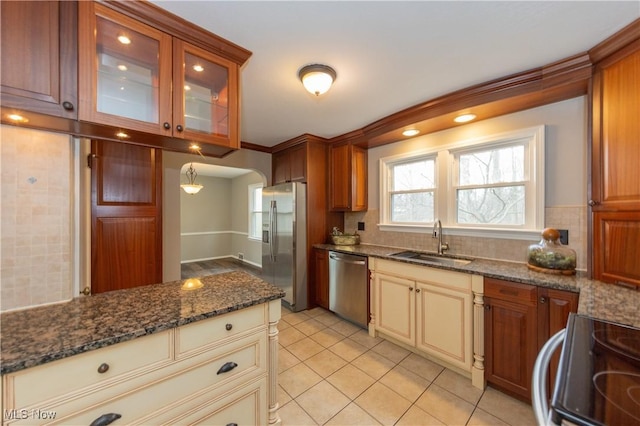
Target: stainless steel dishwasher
x=348 y=283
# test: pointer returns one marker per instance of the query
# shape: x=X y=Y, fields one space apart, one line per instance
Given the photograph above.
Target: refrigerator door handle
x=274 y=229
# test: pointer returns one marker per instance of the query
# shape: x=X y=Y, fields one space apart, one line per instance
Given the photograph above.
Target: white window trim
x=445 y=203
x=251 y=188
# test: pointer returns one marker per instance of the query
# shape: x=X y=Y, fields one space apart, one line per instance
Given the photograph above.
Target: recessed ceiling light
x=187 y=87
x=410 y=132
x=198 y=68
x=122 y=135
x=17 y=118
x=122 y=67
x=124 y=39
x=464 y=118
x=194 y=147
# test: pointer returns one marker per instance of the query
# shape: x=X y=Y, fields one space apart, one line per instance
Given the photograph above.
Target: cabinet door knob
x=543 y=299
x=228 y=326
x=166 y=125
x=105 y=419
x=410 y=288
x=487 y=307
x=104 y=367
x=179 y=128
x=593 y=203
x=67 y=105
x=417 y=290
x=228 y=366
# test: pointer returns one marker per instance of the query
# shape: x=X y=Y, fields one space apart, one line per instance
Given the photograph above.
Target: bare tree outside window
x=412 y=191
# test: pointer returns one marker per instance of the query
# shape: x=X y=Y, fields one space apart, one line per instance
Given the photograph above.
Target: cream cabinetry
x=429 y=310
x=216 y=370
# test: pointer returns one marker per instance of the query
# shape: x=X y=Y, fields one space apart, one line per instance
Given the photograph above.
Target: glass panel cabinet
x=136 y=77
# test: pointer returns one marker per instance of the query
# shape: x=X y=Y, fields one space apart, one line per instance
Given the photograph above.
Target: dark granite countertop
x=39 y=335
x=597 y=299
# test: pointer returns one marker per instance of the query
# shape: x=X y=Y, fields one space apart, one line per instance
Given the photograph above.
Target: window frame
x=252 y=212
x=445 y=202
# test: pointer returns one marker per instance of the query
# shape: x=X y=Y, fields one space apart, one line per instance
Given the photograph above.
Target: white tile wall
x=36 y=218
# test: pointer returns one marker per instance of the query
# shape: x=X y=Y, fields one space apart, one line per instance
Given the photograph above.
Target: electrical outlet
x=564 y=236
x=360 y=226
x=240 y=256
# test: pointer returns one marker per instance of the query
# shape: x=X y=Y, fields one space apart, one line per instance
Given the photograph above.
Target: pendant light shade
x=191 y=187
x=316 y=78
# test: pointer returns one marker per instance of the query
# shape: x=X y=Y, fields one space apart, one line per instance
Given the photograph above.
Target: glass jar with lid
x=550 y=256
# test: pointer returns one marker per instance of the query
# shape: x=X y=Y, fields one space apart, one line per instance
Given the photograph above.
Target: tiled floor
x=333 y=373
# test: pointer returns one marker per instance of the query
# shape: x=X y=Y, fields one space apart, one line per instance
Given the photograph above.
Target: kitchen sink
x=431 y=258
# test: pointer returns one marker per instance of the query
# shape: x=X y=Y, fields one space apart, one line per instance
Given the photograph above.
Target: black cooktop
x=598 y=381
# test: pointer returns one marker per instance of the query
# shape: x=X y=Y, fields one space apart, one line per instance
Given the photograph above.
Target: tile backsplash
x=573 y=218
x=36 y=217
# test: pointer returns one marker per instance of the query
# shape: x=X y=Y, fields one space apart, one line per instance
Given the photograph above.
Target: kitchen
x=563 y=203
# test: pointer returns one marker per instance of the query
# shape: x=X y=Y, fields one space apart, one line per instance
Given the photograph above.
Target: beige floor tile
x=405 y=383
x=348 y=349
x=310 y=326
x=417 y=417
x=289 y=336
x=459 y=385
x=298 y=379
x=305 y=348
x=322 y=402
x=352 y=415
x=505 y=408
x=316 y=311
x=286 y=360
x=351 y=381
x=422 y=366
x=362 y=337
x=283 y=325
x=345 y=328
x=445 y=406
x=283 y=396
x=383 y=404
x=325 y=363
x=292 y=414
x=373 y=364
x=327 y=318
x=391 y=351
x=296 y=317
x=327 y=337
x=482 y=418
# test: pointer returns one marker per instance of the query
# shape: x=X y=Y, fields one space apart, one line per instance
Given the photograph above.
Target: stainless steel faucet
x=437 y=233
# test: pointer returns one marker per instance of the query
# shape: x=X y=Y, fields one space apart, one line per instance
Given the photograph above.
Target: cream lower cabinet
x=429 y=310
x=221 y=370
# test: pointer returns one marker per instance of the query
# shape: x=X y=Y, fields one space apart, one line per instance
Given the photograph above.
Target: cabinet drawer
x=196 y=337
x=79 y=373
x=510 y=291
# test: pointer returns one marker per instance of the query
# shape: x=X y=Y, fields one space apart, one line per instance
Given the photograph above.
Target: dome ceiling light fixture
x=191 y=187
x=317 y=78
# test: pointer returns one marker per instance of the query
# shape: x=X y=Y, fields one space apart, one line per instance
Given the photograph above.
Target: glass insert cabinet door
x=126 y=69
x=205 y=95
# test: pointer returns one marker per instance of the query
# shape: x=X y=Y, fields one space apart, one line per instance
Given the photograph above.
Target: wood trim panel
x=306 y=137
x=159 y=18
x=616 y=42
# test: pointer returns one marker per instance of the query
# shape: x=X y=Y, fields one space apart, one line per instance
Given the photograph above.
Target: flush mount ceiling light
x=410 y=132
x=316 y=78
x=463 y=118
x=124 y=39
x=191 y=187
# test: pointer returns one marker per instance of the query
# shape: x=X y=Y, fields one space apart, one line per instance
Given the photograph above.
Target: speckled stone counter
x=598 y=300
x=35 y=336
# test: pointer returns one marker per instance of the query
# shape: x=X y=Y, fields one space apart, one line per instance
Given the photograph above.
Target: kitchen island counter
x=597 y=299
x=43 y=334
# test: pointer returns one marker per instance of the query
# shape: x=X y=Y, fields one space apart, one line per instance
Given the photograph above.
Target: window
x=491 y=184
x=255 y=211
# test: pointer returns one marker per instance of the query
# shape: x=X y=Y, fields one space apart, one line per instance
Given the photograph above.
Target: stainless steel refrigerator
x=284 y=241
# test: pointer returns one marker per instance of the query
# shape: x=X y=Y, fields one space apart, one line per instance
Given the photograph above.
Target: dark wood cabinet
x=348 y=177
x=615 y=154
x=519 y=319
x=290 y=165
x=322 y=277
x=39 y=57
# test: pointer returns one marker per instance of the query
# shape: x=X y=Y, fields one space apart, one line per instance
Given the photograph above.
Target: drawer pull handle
x=228 y=326
x=104 y=367
x=105 y=419
x=232 y=424
x=228 y=366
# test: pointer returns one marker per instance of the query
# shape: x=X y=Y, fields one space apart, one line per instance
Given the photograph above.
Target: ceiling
x=388 y=55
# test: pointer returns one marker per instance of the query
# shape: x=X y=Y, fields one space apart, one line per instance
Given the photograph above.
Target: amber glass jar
x=551 y=256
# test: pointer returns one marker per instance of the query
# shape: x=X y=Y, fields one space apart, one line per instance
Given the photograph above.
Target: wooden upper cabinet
x=615 y=186
x=39 y=57
x=290 y=165
x=138 y=77
x=348 y=177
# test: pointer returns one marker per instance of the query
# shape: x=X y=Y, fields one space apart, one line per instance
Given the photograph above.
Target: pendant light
x=191 y=187
x=317 y=78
